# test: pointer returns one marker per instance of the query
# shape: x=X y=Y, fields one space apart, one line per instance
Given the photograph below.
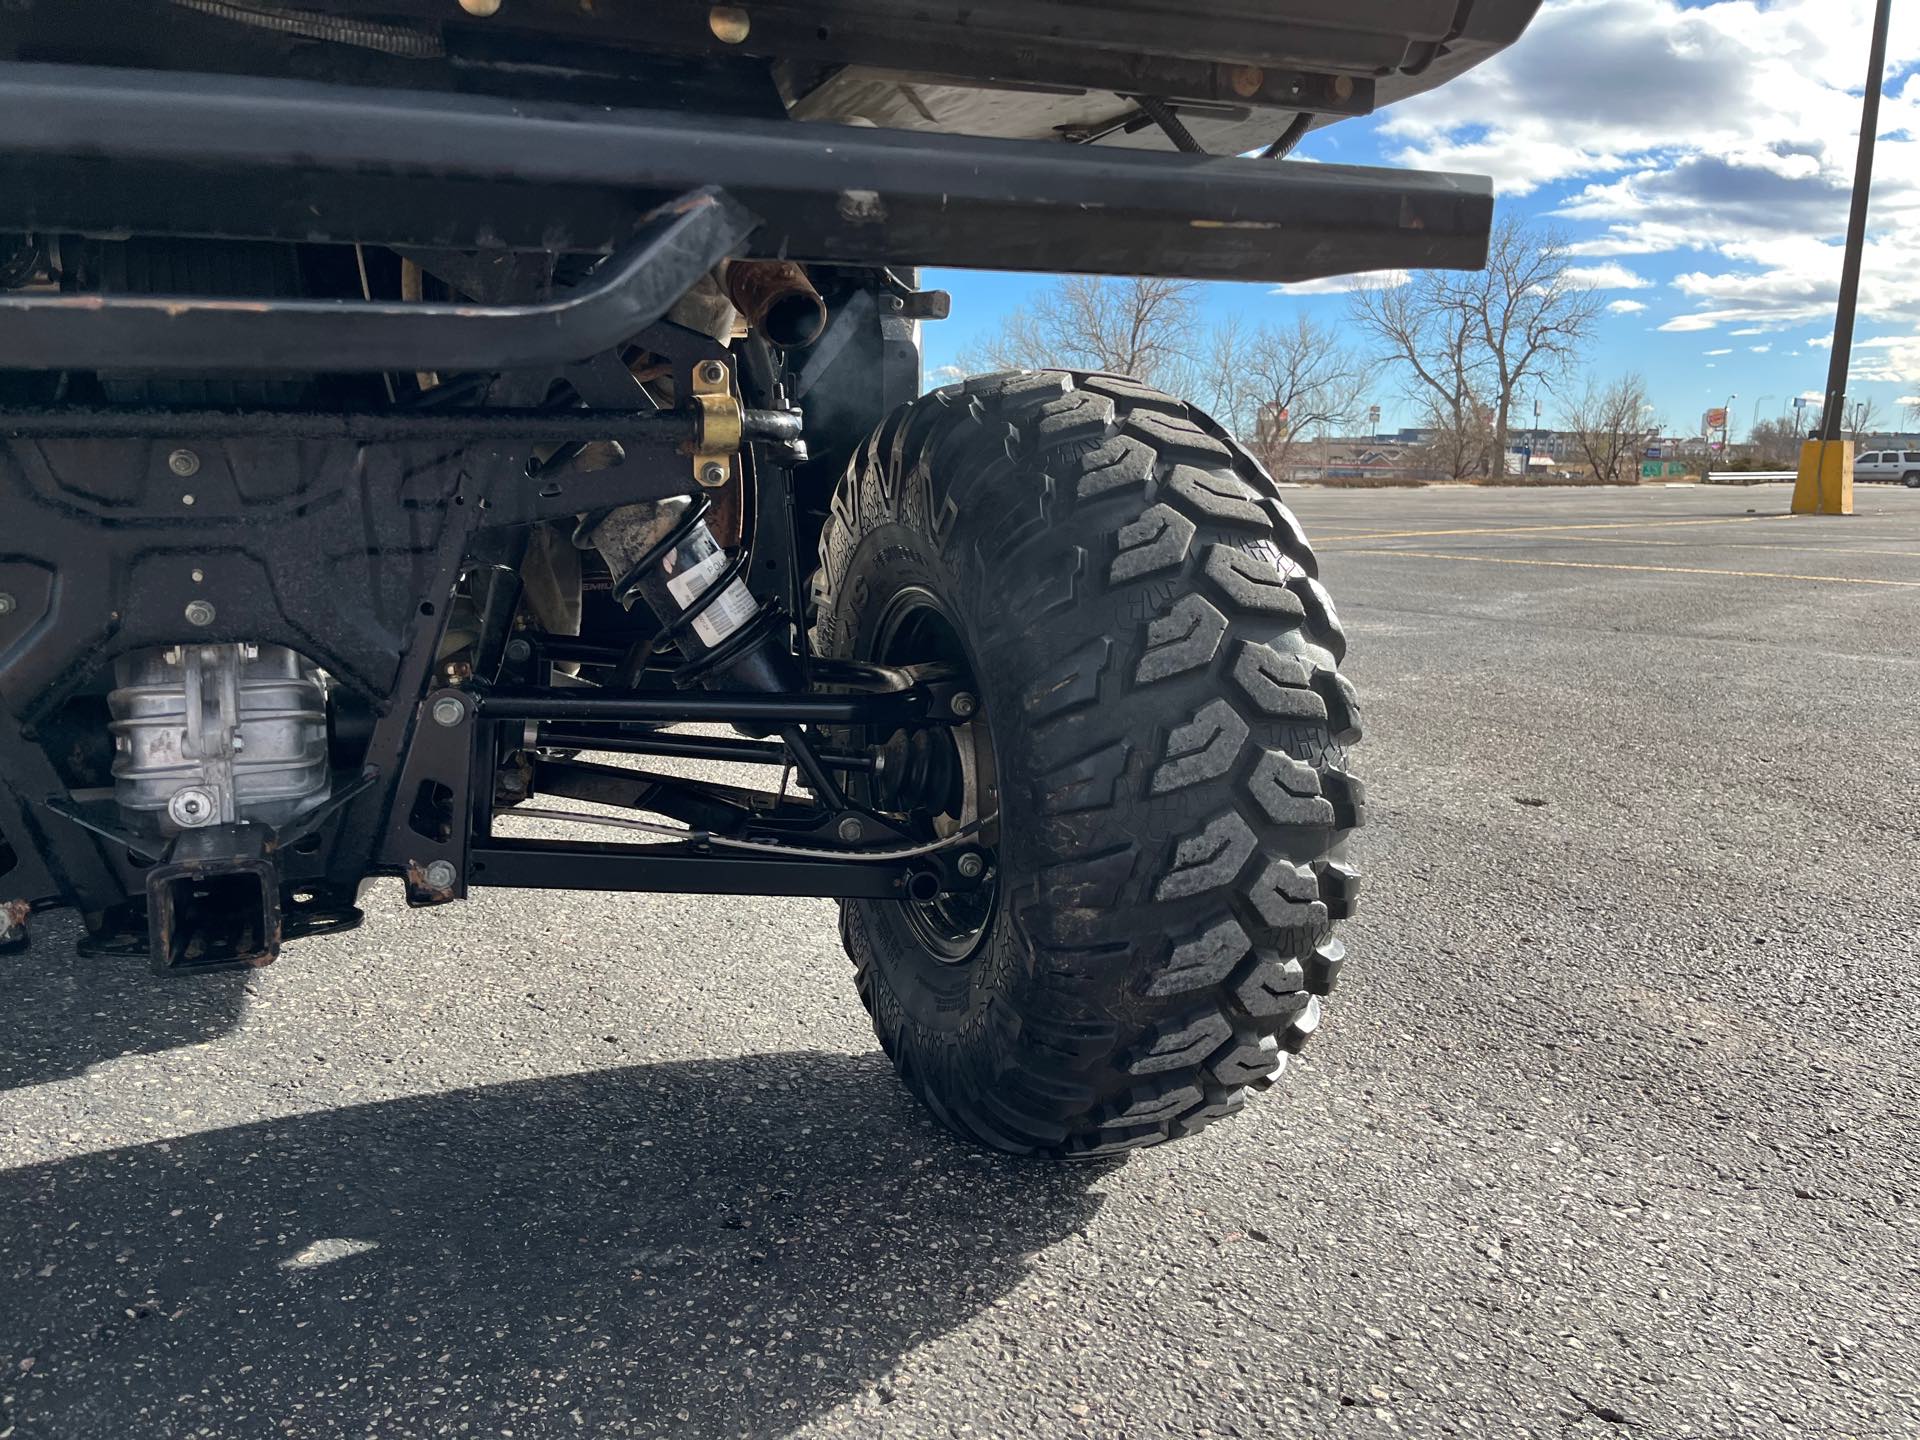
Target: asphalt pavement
x=1613 y=1127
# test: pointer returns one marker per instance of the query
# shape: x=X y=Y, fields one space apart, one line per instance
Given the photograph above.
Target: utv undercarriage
x=413 y=415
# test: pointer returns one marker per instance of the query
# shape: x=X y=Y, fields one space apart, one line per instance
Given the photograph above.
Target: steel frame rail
x=108 y=150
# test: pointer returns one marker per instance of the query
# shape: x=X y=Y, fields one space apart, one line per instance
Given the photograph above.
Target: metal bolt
x=183 y=463
x=190 y=807
x=440 y=875
x=850 y=829
x=7 y=603
x=199 y=612
x=712 y=371
x=449 y=710
x=896 y=303
x=513 y=782
x=713 y=473
x=729 y=23
x=964 y=704
x=971 y=866
x=519 y=650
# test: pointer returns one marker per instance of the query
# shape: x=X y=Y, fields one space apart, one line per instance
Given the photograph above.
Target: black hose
x=1289 y=137
x=1161 y=113
x=401 y=40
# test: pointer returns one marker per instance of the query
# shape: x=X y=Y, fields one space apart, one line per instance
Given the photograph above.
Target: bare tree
x=1776 y=443
x=1858 y=417
x=1141 y=327
x=1432 y=339
x=1456 y=444
x=1609 y=425
x=1275 y=385
x=1912 y=406
x=1530 y=316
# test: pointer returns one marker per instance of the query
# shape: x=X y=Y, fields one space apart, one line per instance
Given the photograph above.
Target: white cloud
x=1599 y=87
x=1625 y=307
x=1610 y=276
x=1343 y=284
x=1645 y=237
x=1886 y=357
x=1719 y=352
x=1725 y=128
x=1760 y=349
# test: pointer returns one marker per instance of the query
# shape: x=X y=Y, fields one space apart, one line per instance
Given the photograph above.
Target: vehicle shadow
x=702 y=1248
x=66 y=1011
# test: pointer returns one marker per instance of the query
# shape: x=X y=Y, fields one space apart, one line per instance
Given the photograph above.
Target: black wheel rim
x=957 y=777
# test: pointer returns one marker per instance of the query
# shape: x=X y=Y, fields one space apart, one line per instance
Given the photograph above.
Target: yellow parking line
x=1542 y=529
x=1639 y=541
x=1656 y=569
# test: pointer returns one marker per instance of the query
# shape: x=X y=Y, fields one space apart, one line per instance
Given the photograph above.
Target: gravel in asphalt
x=1611 y=1129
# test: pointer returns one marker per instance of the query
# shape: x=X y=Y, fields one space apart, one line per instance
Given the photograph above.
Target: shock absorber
x=663 y=553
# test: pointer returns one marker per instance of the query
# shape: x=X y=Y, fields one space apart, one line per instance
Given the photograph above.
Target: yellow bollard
x=1825 y=483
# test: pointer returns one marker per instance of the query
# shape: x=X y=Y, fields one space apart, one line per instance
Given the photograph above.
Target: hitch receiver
x=214 y=903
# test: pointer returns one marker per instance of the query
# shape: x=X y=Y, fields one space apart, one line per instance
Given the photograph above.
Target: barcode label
x=735 y=607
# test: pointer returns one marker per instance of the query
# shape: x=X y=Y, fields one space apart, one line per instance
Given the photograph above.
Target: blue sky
x=1699 y=155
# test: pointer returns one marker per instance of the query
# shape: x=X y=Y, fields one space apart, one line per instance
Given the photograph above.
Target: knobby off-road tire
x=1157 y=667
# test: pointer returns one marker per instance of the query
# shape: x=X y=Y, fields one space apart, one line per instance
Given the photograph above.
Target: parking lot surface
x=1613 y=1127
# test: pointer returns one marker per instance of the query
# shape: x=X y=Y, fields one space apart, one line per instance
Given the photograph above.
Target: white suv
x=1901 y=465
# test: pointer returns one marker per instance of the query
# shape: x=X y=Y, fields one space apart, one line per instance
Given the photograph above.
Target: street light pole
x=1825 y=483
x=1856 y=230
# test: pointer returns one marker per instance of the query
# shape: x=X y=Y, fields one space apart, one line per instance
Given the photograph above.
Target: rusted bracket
x=719 y=432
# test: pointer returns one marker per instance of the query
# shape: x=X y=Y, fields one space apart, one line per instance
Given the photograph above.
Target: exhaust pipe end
x=777 y=299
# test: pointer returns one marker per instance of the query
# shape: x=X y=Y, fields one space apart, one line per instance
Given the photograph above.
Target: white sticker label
x=735 y=607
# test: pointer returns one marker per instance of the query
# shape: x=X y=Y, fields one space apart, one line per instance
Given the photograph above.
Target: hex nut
x=970 y=866
x=850 y=829
x=440 y=875
x=183 y=463
x=519 y=649
x=7 y=603
x=713 y=473
x=199 y=612
x=449 y=710
x=964 y=704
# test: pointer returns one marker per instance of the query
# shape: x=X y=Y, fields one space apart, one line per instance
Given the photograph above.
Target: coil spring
x=626 y=590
